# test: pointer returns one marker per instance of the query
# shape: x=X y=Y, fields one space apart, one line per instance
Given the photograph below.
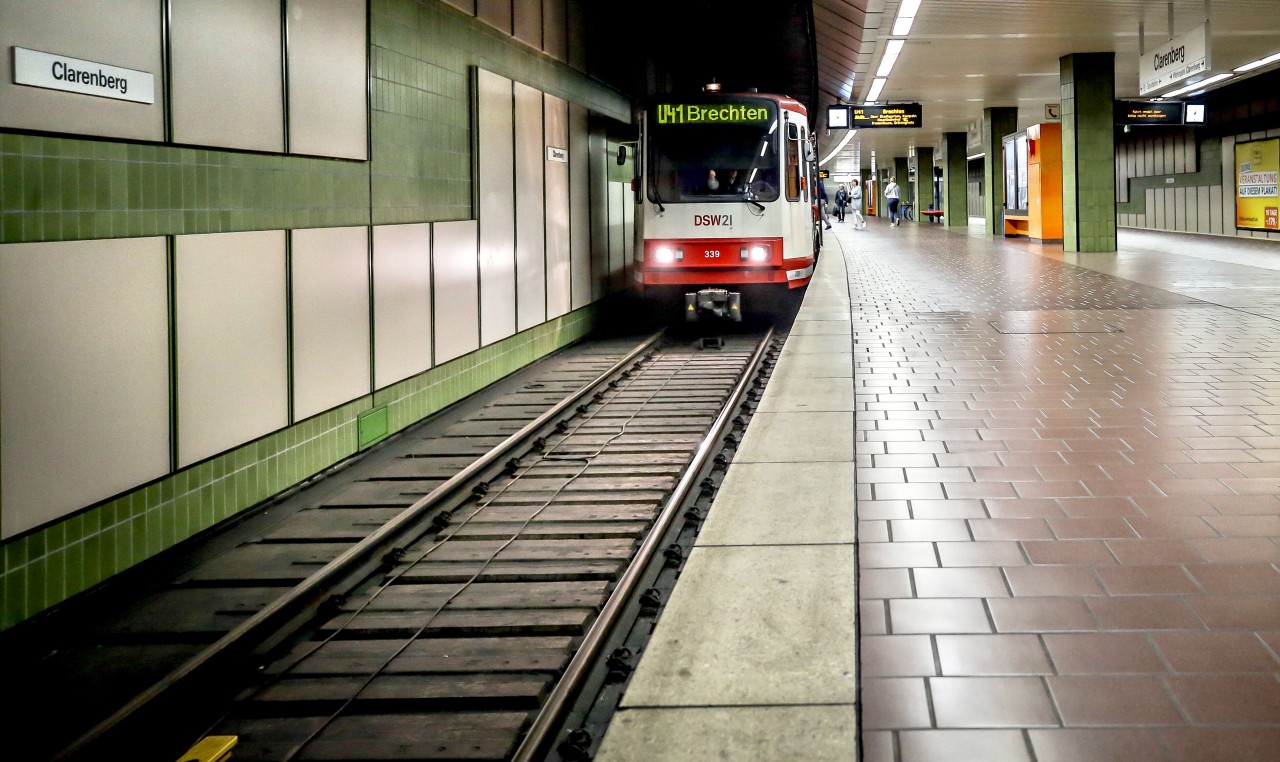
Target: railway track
x=454 y=603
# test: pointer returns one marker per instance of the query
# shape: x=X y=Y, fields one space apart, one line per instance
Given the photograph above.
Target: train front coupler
x=715 y=302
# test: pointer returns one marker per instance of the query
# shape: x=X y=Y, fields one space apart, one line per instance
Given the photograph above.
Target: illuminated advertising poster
x=1257 y=171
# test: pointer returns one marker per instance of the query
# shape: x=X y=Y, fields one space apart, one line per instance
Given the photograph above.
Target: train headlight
x=665 y=255
x=759 y=253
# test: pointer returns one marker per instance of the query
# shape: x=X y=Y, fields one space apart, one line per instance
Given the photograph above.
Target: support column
x=924 y=182
x=1088 y=152
x=996 y=123
x=955 y=181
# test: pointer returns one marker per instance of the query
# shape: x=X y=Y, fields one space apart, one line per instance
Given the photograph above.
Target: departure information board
x=889 y=115
x=1145 y=112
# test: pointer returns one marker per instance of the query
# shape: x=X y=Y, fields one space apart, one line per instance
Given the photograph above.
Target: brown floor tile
x=937 y=615
x=880 y=510
x=1199 y=744
x=1022 y=508
x=1246 y=526
x=1245 y=504
x=1070 y=473
x=896 y=656
x=1238 y=549
x=894 y=702
x=1097 y=745
x=981 y=490
x=1031 y=459
x=973 y=655
x=930 y=530
x=1010 y=529
x=877 y=746
x=1236 y=578
x=946 y=509
x=1069 y=553
x=1051 y=489
x=1049 y=614
x=1102 y=652
x=1175 y=506
x=981 y=554
x=1256 y=612
x=1179 y=527
x=984 y=745
x=1147 y=580
x=1221 y=699
x=872 y=617
x=1085 y=700
x=1216 y=652
x=884 y=583
x=1204 y=471
x=960 y=582
x=1093 y=528
x=1090 y=507
x=1142 y=552
x=1068 y=581
x=991 y=702
x=1142 y=613
x=874 y=555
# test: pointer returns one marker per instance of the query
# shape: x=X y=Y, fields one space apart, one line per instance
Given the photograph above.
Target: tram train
x=727 y=200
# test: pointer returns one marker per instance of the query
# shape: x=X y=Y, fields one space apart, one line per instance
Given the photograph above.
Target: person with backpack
x=842 y=198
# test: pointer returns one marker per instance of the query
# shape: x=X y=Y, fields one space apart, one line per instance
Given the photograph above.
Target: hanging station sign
x=1175 y=60
x=889 y=115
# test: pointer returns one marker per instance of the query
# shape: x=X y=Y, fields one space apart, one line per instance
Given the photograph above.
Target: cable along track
x=447 y=645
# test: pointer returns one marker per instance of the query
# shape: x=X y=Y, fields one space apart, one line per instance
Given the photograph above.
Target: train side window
x=792 y=159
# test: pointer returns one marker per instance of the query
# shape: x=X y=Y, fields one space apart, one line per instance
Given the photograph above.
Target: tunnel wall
x=211 y=298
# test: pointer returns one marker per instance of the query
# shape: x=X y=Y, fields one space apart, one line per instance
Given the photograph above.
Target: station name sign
x=1142 y=112
x=1175 y=60
x=890 y=115
x=73 y=75
x=712 y=113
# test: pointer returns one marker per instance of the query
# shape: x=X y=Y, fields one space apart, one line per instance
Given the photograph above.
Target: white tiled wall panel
x=328 y=78
x=227 y=74
x=84 y=374
x=457 y=296
x=232 y=342
x=497 y=208
x=330 y=318
x=401 y=301
x=556 y=115
x=579 y=207
x=531 y=254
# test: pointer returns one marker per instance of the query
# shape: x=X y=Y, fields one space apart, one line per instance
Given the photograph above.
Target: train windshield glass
x=724 y=150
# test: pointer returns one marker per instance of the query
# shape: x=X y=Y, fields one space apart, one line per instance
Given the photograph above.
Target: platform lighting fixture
x=1258 y=63
x=1199 y=85
x=891 y=52
x=847 y=137
x=711 y=87
x=877 y=85
x=906 y=15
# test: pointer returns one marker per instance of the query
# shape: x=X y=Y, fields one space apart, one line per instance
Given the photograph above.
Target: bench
x=934 y=215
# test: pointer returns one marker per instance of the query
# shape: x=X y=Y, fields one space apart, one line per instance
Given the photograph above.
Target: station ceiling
x=959 y=57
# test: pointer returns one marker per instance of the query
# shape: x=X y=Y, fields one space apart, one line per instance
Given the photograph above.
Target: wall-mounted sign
x=891 y=115
x=823 y=174
x=1175 y=60
x=557 y=154
x=1143 y=112
x=1052 y=112
x=837 y=117
x=1257 y=181
x=973 y=137
x=53 y=72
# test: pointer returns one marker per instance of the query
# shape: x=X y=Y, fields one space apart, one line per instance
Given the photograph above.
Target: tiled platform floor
x=1068 y=513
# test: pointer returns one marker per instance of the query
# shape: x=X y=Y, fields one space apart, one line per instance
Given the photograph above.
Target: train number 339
x=711 y=254
x=712 y=220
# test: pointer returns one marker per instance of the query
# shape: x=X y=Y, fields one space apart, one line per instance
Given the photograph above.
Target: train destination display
x=889 y=115
x=1145 y=112
x=712 y=113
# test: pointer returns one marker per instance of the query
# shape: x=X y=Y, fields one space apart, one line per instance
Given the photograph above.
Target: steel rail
x=558 y=702
x=259 y=626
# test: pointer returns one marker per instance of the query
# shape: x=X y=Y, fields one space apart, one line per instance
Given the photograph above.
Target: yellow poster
x=1257 y=173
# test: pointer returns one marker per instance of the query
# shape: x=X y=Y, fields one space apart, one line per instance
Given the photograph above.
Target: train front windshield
x=722 y=150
